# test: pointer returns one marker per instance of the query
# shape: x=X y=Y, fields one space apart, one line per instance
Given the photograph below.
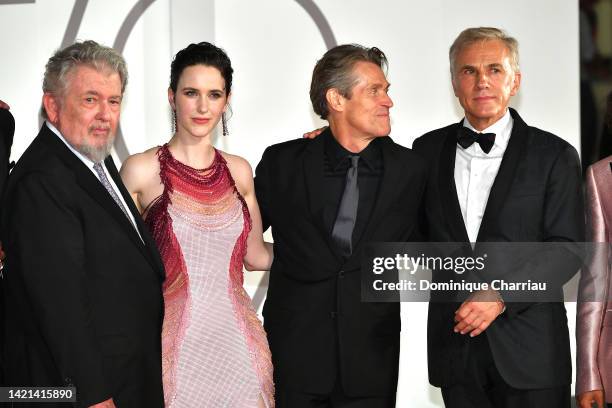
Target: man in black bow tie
x=496 y=179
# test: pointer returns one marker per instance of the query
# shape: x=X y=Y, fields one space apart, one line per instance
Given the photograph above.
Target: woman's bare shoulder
x=240 y=170
x=138 y=169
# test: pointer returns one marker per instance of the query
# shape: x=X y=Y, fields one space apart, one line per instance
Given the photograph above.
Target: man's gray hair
x=478 y=34
x=81 y=53
x=335 y=70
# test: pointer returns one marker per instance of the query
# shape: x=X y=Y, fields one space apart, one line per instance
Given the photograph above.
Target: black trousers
x=286 y=398
x=289 y=398
x=483 y=386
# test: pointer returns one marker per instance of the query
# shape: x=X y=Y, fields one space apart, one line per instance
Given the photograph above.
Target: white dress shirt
x=90 y=165
x=475 y=172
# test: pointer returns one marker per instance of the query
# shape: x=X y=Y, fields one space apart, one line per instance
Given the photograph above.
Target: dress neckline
x=217 y=159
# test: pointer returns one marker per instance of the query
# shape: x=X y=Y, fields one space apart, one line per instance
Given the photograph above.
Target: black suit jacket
x=7 y=130
x=82 y=292
x=317 y=325
x=536 y=197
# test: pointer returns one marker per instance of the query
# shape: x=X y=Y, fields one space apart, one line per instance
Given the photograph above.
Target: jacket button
x=333 y=314
x=341 y=274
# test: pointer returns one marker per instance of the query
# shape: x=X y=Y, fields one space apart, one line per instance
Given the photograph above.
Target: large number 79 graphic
x=78 y=11
x=72 y=29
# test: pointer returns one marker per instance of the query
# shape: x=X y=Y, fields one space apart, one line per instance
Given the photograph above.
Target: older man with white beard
x=82 y=275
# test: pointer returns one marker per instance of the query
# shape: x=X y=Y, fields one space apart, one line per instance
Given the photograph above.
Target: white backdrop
x=274 y=45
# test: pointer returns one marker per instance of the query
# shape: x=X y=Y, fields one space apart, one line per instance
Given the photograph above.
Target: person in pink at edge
x=594 y=316
x=200 y=206
x=594 y=308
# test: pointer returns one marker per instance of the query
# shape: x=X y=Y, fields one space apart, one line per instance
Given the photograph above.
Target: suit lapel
x=321 y=208
x=92 y=186
x=152 y=254
x=387 y=190
x=448 y=189
x=393 y=172
x=96 y=190
x=505 y=175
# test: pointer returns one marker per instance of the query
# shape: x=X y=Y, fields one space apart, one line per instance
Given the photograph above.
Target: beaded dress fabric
x=214 y=348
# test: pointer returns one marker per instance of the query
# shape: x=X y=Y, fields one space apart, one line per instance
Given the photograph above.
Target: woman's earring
x=173 y=121
x=224 y=124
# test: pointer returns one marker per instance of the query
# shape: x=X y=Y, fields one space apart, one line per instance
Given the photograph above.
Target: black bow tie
x=466 y=137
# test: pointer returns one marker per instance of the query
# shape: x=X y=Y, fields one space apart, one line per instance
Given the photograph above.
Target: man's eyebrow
x=92 y=92
x=464 y=66
x=385 y=85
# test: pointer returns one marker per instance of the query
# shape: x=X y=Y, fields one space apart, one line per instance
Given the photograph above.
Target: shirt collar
x=336 y=153
x=502 y=129
x=86 y=160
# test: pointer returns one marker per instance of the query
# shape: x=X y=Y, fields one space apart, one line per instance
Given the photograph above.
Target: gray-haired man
x=496 y=179
x=325 y=199
x=82 y=276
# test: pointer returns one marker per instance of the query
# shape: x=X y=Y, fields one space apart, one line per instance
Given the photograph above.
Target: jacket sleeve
x=563 y=222
x=47 y=247
x=7 y=129
x=591 y=305
x=262 y=188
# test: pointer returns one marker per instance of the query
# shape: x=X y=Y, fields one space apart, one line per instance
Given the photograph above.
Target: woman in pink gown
x=200 y=205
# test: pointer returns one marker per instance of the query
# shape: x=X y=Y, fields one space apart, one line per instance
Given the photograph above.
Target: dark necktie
x=466 y=137
x=342 y=233
x=107 y=185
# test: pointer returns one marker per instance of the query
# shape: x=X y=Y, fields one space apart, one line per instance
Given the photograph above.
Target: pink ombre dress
x=214 y=348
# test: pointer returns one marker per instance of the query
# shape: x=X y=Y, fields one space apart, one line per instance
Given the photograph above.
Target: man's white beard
x=99 y=153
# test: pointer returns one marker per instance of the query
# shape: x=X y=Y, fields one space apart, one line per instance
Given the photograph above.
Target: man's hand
x=477 y=313
x=4 y=105
x=104 y=404
x=586 y=399
x=310 y=135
